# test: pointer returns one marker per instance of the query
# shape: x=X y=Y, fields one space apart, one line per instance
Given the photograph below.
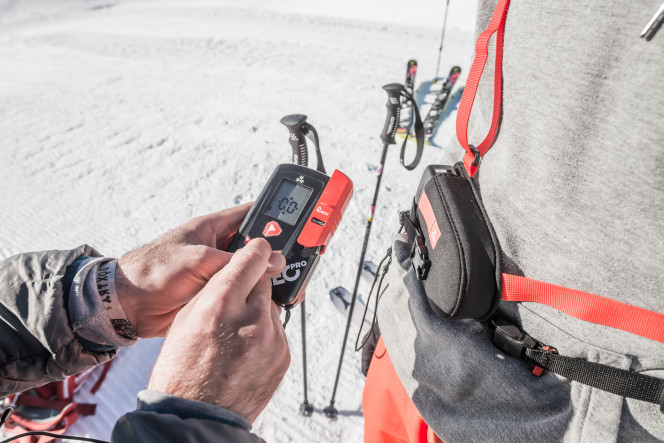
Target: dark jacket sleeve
x=37 y=344
x=149 y=426
x=163 y=417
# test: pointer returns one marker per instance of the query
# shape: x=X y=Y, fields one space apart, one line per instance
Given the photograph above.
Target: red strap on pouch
x=585 y=306
x=497 y=25
x=582 y=305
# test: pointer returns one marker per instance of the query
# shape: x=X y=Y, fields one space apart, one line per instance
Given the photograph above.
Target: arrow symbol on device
x=272 y=229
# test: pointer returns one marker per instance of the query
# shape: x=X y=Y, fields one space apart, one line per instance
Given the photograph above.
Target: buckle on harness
x=476 y=153
x=419 y=255
x=509 y=338
x=420 y=258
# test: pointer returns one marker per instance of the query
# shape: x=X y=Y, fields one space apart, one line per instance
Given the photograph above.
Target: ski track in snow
x=121 y=120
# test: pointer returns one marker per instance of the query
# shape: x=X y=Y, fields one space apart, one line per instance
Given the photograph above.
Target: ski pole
x=306 y=408
x=297 y=127
x=389 y=130
x=442 y=39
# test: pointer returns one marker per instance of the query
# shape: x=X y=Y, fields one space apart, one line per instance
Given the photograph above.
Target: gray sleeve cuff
x=87 y=314
x=161 y=402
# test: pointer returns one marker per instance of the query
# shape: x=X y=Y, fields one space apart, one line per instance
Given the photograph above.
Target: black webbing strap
x=419 y=136
x=628 y=384
x=412 y=228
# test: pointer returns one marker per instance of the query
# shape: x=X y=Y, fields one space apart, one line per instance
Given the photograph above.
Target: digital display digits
x=287 y=202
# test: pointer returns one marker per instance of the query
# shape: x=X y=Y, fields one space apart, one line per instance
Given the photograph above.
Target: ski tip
x=338 y=292
x=370 y=266
x=341 y=298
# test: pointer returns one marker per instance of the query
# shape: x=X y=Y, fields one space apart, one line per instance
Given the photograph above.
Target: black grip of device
x=297 y=128
x=393 y=111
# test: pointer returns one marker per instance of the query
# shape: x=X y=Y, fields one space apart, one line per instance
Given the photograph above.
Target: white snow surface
x=120 y=120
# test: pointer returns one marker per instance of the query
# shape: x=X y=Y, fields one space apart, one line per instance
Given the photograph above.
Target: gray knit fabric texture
x=575 y=191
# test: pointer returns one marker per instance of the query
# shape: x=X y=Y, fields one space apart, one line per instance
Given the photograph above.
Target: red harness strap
x=497 y=25
x=585 y=306
x=582 y=305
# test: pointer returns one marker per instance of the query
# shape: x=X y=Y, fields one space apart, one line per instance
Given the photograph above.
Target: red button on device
x=272 y=229
x=328 y=212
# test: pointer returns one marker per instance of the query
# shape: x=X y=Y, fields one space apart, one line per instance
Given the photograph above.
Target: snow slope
x=120 y=120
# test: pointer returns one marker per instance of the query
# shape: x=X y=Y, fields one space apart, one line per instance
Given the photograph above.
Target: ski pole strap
x=312 y=135
x=497 y=25
x=419 y=135
x=585 y=306
x=607 y=378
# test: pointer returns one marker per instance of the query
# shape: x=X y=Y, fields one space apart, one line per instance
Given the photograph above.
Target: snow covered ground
x=120 y=120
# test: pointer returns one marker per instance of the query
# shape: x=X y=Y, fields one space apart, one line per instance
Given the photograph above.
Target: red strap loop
x=582 y=305
x=497 y=25
x=585 y=306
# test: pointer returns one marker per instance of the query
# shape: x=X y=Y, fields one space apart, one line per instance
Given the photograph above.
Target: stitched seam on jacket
x=586 y=412
x=87 y=319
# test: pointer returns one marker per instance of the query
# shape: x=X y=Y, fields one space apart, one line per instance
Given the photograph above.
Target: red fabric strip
x=585 y=306
x=424 y=430
x=102 y=377
x=497 y=25
x=430 y=218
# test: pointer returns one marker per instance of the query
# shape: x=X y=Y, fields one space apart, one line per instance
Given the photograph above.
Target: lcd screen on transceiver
x=288 y=201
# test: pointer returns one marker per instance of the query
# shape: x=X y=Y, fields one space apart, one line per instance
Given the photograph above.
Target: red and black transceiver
x=297 y=212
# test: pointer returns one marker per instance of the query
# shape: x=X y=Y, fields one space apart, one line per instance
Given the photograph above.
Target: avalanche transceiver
x=297 y=212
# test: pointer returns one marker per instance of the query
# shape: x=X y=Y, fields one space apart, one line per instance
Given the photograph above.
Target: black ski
x=406 y=116
x=341 y=299
x=369 y=270
x=440 y=99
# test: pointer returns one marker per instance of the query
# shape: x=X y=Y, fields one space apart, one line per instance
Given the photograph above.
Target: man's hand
x=156 y=280
x=227 y=346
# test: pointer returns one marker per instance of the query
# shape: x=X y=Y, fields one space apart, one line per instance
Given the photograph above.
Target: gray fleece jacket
x=38 y=345
x=575 y=191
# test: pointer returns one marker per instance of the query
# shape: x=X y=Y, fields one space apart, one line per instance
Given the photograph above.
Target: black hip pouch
x=454 y=249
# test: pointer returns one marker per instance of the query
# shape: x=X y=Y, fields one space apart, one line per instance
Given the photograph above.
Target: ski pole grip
x=393 y=110
x=296 y=124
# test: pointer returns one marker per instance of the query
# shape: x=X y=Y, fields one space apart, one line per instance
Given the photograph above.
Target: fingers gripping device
x=297 y=212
